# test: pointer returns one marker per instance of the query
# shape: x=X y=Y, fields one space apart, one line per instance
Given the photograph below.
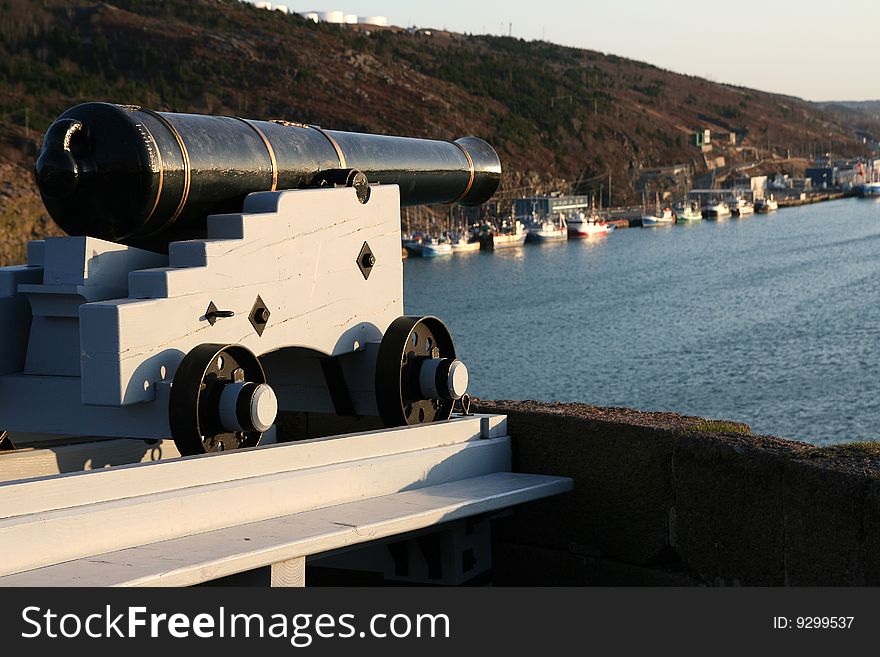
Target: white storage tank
x=332 y=16
x=373 y=20
x=263 y=5
x=282 y=8
x=310 y=15
x=351 y=19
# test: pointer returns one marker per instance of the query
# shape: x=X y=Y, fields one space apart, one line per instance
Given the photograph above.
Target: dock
x=809 y=199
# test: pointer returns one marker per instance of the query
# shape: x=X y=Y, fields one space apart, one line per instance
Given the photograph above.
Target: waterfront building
x=547 y=206
x=756 y=186
x=822 y=177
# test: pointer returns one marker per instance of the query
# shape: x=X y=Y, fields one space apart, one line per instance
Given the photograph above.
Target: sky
x=814 y=50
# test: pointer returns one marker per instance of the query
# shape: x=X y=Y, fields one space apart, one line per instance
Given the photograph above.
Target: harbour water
x=773 y=320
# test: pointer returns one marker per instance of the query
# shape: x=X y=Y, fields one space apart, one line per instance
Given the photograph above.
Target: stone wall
x=663 y=499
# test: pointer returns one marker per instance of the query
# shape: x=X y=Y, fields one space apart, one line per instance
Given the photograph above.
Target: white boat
x=870 y=190
x=741 y=207
x=665 y=218
x=717 y=210
x=548 y=230
x=431 y=247
x=509 y=235
x=688 y=211
x=765 y=205
x=462 y=244
x=871 y=187
x=581 y=226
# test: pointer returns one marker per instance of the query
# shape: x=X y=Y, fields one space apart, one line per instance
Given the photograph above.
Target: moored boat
x=509 y=235
x=871 y=187
x=765 y=205
x=413 y=242
x=462 y=244
x=688 y=211
x=716 y=210
x=547 y=230
x=581 y=226
x=870 y=190
x=741 y=207
x=664 y=218
x=432 y=248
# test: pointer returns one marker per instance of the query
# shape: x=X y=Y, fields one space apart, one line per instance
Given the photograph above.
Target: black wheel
x=197 y=421
x=409 y=344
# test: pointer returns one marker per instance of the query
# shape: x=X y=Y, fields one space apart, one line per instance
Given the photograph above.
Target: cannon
x=218 y=270
x=135 y=176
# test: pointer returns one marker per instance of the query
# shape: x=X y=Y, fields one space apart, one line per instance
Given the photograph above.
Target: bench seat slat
x=207 y=556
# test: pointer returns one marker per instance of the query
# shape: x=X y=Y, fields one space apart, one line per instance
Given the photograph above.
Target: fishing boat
x=870 y=190
x=741 y=207
x=688 y=211
x=871 y=187
x=765 y=205
x=581 y=226
x=716 y=210
x=412 y=242
x=431 y=247
x=509 y=235
x=664 y=218
x=461 y=243
x=547 y=230
x=658 y=217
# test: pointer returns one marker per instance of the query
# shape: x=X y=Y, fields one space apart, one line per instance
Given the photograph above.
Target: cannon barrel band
x=136 y=176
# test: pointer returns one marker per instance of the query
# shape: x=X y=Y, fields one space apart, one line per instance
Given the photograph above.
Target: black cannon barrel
x=136 y=176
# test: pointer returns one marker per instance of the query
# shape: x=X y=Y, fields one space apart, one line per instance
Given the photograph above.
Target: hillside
x=870 y=108
x=862 y=115
x=561 y=118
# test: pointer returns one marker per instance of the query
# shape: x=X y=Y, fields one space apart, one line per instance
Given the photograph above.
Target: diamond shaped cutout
x=211 y=314
x=259 y=315
x=366 y=260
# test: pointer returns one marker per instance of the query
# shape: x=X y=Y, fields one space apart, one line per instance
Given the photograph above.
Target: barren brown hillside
x=561 y=118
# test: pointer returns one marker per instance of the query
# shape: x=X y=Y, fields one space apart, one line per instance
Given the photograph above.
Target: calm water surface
x=772 y=320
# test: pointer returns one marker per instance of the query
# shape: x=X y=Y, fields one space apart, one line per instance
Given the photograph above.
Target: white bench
x=192 y=520
x=283 y=543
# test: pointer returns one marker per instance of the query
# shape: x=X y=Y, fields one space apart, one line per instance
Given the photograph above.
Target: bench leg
x=289 y=573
